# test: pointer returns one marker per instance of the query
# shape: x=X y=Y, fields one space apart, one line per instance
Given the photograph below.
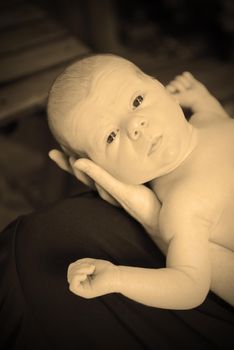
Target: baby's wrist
x=206 y=103
x=116 y=284
x=118 y=278
x=198 y=104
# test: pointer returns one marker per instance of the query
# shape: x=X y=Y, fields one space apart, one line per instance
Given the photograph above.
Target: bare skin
x=216 y=137
x=187 y=196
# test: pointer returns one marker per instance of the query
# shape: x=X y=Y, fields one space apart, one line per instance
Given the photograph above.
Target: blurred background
x=39 y=38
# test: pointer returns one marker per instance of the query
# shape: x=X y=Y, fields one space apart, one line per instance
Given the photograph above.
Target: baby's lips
x=155 y=142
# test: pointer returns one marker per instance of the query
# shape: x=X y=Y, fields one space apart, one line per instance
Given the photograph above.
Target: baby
x=106 y=109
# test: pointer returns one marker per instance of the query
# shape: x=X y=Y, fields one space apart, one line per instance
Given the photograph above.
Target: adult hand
x=138 y=200
x=66 y=163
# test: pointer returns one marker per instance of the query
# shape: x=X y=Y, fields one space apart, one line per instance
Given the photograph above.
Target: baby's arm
x=222 y=275
x=192 y=94
x=143 y=197
x=185 y=281
x=222 y=268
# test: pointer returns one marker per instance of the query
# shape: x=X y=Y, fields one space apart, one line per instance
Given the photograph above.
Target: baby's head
x=69 y=91
x=104 y=108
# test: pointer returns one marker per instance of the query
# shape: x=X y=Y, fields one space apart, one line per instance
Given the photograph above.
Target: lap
x=40 y=247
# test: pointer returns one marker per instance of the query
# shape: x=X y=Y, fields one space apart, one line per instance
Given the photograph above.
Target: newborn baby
x=106 y=109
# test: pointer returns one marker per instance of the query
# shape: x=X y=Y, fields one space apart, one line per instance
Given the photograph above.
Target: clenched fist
x=91 y=278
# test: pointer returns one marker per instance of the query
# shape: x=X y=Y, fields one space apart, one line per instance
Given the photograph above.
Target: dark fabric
x=39 y=312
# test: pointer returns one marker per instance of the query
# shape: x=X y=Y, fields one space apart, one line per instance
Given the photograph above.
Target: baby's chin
x=139 y=178
x=135 y=179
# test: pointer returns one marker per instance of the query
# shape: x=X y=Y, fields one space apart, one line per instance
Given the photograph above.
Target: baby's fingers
x=75 y=281
x=176 y=86
x=181 y=83
x=189 y=78
x=81 y=270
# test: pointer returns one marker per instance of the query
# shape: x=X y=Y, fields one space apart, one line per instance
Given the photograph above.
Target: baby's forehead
x=117 y=66
x=111 y=79
x=110 y=87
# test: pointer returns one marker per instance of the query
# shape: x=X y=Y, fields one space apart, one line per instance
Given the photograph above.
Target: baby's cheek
x=170 y=150
x=170 y=153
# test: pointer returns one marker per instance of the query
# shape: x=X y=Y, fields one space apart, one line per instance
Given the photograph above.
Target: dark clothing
x=39 y=312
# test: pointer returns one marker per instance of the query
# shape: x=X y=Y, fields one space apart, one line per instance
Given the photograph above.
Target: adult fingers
x=102 y=178
x=132 y=198
x=61 y=160
x=80 y=175
x=106 y=196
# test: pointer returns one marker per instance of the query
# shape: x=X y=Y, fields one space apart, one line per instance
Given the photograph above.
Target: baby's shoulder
x=208 y=119
x=185 y=209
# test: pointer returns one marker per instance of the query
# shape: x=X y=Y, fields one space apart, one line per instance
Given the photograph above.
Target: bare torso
x=207 y=177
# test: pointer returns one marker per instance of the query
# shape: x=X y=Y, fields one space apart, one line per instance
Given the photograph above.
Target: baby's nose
x=135 y=126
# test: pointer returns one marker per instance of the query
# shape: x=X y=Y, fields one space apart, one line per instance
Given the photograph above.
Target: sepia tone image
x=117 y=174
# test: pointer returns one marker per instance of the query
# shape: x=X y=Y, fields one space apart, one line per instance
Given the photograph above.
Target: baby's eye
x=137 y=101
x=112 y=136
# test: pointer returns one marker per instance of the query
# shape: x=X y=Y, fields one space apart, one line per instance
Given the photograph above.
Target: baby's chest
x=206 y=204
x=217 y=206
x=223 y=230
x=220 y=195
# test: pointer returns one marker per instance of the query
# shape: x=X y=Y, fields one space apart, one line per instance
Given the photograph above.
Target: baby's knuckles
x=103 y=281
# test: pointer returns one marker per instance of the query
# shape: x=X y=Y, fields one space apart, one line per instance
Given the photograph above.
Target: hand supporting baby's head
x=105 y=108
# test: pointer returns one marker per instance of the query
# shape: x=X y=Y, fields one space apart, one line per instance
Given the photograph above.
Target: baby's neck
x=190 y=143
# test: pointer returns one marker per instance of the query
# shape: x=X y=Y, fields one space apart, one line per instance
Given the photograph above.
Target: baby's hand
x=91 y=278
x=187 y=90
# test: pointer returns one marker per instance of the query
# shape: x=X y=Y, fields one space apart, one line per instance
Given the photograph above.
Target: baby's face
x=129 y=125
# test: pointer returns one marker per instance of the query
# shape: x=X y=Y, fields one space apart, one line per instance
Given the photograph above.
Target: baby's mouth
x=156 y=141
